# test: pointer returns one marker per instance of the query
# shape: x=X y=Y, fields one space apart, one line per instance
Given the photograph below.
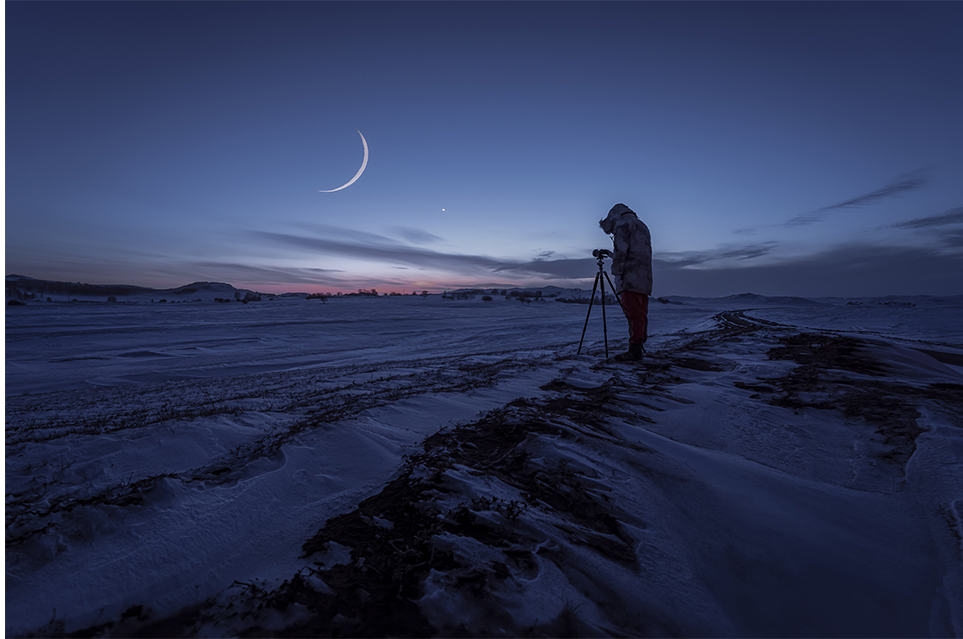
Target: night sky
x=780 y=148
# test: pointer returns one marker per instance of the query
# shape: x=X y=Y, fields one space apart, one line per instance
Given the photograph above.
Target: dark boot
x=633 y=355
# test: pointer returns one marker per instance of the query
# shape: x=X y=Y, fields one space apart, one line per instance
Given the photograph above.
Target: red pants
x=636 y=307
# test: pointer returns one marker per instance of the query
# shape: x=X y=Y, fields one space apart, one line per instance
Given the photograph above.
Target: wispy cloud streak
x=905 y=184
x=233 y=271
x=953 y=239
x=852 y=270
x=372 y=247
x=740 y=253
x=953 y=216
x=416 y=236
x=573 y=268
x=384 y=251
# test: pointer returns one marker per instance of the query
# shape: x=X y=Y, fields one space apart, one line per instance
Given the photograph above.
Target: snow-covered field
x=409 y=466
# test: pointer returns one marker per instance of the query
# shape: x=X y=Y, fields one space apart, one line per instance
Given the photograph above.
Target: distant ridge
x=779 y=299
x=21 y=287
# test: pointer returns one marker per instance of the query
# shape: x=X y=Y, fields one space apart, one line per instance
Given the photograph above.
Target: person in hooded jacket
x=632 y=269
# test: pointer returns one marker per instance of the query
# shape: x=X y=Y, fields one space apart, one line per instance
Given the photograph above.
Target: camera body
x=601 y=253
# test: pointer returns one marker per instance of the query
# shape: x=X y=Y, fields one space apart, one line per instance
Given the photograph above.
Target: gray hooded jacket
x=632 y=258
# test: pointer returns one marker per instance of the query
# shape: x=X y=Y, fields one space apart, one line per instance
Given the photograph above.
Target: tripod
x=600 y=278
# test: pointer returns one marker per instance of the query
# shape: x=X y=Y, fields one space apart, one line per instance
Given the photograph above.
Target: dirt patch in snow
x=834 y=373
x=418 y=527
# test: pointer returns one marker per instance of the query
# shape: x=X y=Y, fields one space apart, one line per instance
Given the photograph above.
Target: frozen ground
x=413 y=466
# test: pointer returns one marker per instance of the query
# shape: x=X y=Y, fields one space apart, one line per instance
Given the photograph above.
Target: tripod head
x=600 y=255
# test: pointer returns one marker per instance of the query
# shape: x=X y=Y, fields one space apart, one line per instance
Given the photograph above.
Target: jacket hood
x=608 y=222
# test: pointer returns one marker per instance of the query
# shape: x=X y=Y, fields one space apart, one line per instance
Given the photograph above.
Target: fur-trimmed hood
x=608 y=222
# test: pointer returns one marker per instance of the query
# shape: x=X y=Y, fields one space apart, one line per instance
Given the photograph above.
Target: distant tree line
x=609 y=299
x=524 y=296
x=30 y=289
x=460 y=295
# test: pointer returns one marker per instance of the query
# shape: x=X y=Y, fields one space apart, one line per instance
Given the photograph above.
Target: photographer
x=632 y=269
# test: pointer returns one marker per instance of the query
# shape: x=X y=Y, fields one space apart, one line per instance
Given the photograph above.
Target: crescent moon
x=364 y=163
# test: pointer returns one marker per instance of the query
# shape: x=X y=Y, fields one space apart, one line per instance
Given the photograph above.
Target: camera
x=601 y=253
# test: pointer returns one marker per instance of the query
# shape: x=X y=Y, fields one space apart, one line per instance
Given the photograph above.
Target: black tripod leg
x=591 y=301
x=605 y=327
x=616 y=295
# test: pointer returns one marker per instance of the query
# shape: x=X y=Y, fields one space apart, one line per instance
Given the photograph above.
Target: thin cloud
x=417 y=236
x=695 y=258
x=358 y=237
x=852 y=270
x=288 y=277
x=391 y=252
x=260 y=274
x=372 y=247
x=910 y=182
x=953 y=216
x=953 y=239
x=560 y=269
x=375 y=248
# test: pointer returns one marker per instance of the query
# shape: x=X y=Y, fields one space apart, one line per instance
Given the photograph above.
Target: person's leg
x=636 y=307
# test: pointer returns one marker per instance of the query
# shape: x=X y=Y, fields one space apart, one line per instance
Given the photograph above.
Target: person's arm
x=620 y=240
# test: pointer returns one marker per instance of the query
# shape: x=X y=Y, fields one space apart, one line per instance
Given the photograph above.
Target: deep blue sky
x=780 y=148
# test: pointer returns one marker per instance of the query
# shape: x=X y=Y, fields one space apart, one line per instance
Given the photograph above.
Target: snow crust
x=159 y=456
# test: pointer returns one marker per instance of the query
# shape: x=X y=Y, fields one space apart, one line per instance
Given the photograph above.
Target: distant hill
x=23 y=288
x=753 y=298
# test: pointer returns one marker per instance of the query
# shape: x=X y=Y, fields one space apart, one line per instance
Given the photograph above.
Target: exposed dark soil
x=393 y=535
x=388 y=564
x=821 y=382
